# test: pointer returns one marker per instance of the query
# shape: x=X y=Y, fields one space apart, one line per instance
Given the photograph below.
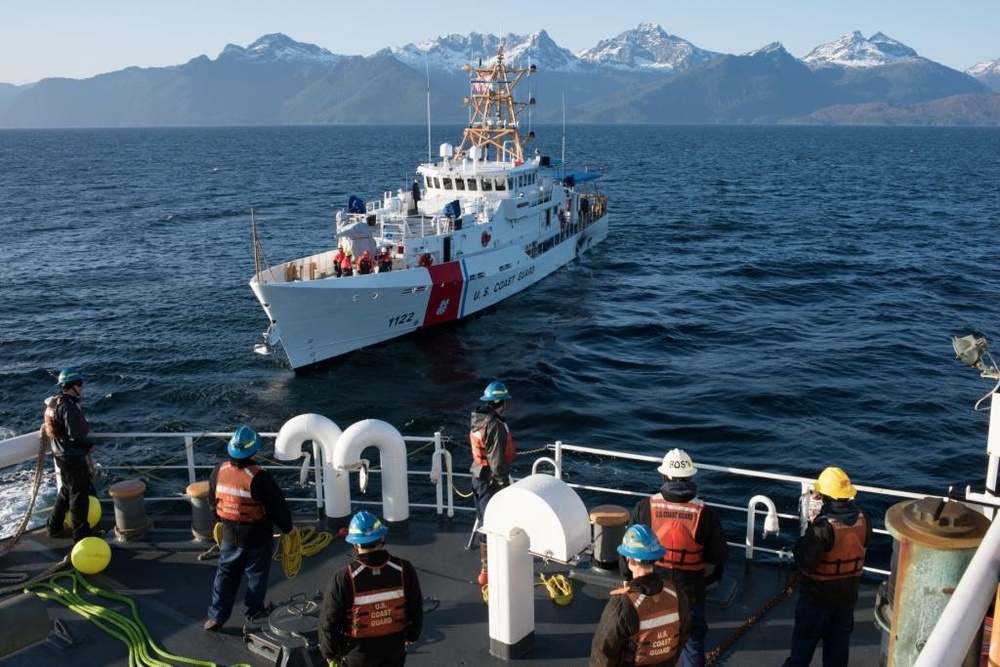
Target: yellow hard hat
x=835 y=483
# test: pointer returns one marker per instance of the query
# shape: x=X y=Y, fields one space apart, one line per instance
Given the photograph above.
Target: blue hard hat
x=365 y=528
x=70 y=374
x=640 y=543
x=495 y=391
x=244 y=443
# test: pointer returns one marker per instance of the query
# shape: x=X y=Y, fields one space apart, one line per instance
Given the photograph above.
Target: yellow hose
x=130 y=631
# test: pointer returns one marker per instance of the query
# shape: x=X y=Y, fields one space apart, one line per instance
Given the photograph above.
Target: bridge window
x=446 y=182
x=487 y=184
x=459 y=183
x=472 y=184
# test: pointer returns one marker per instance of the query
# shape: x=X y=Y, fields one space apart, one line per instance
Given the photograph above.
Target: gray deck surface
x=172 y=589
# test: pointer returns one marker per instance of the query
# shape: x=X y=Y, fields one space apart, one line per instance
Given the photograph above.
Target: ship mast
x=494 y=123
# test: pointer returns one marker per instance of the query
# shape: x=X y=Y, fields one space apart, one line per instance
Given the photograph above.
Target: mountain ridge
x=640 y=75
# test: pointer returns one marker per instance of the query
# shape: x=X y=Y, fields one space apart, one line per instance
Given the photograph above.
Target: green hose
x=130 y=631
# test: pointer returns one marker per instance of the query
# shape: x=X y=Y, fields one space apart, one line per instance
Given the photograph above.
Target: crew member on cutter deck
x=831 y=555
x=338 y=260
x=249 y=502
x=373 y=606
x=691 y=534
x=65 y=425
x=646 y=621
x=493 y=451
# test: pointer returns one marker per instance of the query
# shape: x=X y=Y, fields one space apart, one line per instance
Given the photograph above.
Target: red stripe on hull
x=446 y=293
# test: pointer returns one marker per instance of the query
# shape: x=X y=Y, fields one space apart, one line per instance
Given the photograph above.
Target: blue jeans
x=234 y=562
x=814 y=623
x=693 y=654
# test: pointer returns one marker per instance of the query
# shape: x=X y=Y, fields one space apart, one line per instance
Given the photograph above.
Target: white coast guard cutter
x=479 y=225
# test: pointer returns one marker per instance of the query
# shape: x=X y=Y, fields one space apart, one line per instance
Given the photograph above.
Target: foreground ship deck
x=171 y=587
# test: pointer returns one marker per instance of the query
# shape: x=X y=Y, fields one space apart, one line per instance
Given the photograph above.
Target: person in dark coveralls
x=691 y=534
x=493 y=451
x=831 y=555
x=373 y=606
x=249 y=502
x=65 y=425
x=646 y=622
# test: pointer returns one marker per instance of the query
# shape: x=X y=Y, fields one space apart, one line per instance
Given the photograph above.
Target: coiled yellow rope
x=558 y=586
x=296 y=544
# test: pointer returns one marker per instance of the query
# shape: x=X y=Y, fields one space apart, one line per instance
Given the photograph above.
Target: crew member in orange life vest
x=65 y=424
x=373 y=606
x=646 y=622
x=384 y=260
x=365 y=265
x=492 y=453
x=691 y=533
x=249 y=503
x=347 y=264
x=338 y=261
x=830 y=554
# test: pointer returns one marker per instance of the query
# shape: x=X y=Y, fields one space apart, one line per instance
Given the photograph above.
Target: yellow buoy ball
x=93 y=513
x=90 y=555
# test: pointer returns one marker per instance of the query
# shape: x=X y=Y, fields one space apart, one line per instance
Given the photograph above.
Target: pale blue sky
x=69 y=38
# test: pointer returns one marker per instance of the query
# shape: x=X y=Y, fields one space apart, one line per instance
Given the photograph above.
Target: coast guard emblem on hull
x=442 y=307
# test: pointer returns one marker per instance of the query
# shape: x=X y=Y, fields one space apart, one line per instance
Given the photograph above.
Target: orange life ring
x=485 y=239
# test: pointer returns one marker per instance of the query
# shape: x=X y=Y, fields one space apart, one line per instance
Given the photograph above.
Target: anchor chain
x=754 y=618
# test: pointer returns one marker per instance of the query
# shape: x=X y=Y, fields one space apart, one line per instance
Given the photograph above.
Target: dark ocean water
x=769 y=297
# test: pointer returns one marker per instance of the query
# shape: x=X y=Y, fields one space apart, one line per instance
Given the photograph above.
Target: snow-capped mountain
x=984 y=68
x=277 y=47
x=450 y=52
x=854 y=50
x=987 y=72
x=647 y=47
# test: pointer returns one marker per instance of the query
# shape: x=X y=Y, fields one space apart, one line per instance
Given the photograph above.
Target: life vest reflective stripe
x=377 y=612
x=479 y=445
x=847 y=557
x=659 y=627
x=233 y=501
x=676 y=525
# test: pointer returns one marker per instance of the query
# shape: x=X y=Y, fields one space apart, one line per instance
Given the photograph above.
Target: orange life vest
x=659 y=627
x=847 y=557
x=479 y=445
x=380 y=611
x=232 y=494
x=676 y=524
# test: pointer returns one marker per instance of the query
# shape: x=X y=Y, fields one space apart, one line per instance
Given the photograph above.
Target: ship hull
x=323 y=319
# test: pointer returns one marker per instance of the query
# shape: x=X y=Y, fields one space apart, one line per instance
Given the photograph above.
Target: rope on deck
x=754 y=618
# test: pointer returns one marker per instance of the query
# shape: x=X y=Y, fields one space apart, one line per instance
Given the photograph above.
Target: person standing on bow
x=831 y=555
x=249 y=502
x=692 y=537
x=347 y=264
x=365 y=265
x=372 y=607
x=492 y=453
x=384 y=260
x=338 y=260
x=65 y=425
x=645 y=622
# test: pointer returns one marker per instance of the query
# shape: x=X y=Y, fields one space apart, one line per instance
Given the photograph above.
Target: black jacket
x=818 y=539
x=495 y=439
x=338 y=599
x=709 y=535
x=620 y=622
x=72 y=426
x=264 y=490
